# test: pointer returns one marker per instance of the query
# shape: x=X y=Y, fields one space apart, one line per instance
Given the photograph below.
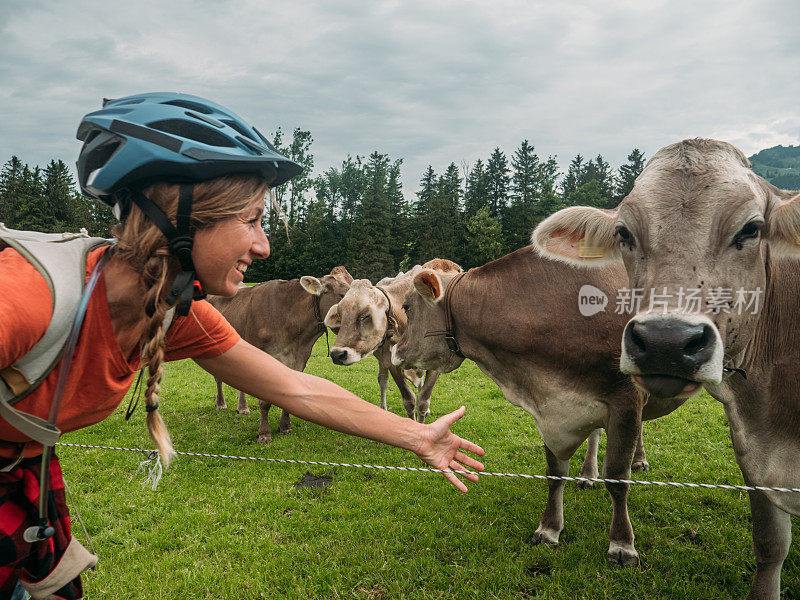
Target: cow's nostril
x=698 y=341
x=636 y=338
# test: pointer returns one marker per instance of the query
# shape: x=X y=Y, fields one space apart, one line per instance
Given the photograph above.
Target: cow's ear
x=342 y=274
x=782 y=229
x=578 y=235
x=332 y=319
x=312 y=285
x=428 y=285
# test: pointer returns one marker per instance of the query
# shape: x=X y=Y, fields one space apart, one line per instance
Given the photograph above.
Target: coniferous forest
x=357 y=215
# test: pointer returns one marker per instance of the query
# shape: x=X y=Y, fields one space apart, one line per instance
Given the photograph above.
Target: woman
x=187 y=179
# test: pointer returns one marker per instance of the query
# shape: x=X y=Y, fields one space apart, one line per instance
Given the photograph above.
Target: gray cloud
x=429 y=82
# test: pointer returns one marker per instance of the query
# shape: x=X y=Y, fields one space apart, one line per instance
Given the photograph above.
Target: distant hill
x=779 y=165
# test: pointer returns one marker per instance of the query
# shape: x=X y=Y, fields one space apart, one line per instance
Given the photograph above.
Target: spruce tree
x=476 y=194
x=628 y=174
x=498 y=183
x=370 y=238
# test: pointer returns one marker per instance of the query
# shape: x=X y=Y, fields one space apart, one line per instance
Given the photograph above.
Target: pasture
x=217 y=528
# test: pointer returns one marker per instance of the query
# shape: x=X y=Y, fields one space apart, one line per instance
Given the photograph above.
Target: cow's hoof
x=222 y=406
x=545 y=536
x=640 y=465
x=245 y=411
x=585 y=485
x=286 y=431
x=623 y=556
x=265 y=439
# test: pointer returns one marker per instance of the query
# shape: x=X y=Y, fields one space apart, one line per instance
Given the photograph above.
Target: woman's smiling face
x=223 y=251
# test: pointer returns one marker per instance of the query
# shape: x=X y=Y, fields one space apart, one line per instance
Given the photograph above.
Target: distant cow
x=713 y=250
x=284 y=319
x=368 y=318
x=519 y=318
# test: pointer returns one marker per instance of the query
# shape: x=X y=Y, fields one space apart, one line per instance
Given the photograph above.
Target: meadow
x=219 y=528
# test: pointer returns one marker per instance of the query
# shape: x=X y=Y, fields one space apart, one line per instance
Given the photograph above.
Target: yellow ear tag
x=586 y=251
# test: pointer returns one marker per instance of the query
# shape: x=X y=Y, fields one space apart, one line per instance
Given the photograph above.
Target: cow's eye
x=364 y=319
x=624 y=235
x=750 y=231
x=405 y=307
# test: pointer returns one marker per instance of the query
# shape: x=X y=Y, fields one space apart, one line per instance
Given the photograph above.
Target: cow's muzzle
x=671 y=355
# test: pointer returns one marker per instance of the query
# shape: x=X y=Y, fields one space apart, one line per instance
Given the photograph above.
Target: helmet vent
x=192 y=131
x=190 y=105
x=98 y=157
x=239 y=128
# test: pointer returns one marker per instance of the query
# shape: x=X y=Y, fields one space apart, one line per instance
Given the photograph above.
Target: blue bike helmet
x=137 y=140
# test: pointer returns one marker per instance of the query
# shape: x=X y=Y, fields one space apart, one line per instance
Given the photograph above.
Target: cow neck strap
x=450 y=332
x=321 y=323
x=391 y=322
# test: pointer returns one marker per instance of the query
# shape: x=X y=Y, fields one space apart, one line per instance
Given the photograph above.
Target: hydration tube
x=44 y=529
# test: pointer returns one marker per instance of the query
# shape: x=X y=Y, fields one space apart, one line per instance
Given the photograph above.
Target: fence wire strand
x=673 y=484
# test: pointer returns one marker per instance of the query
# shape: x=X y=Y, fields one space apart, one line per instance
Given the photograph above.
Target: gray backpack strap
x=61 y=260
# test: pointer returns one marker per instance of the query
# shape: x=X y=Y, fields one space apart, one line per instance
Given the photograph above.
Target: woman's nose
x=260 y=247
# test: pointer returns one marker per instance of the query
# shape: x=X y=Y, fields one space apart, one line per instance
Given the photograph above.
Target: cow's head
x=329 y=289
x=693 y=234
x=424 y=312
x=361 y=320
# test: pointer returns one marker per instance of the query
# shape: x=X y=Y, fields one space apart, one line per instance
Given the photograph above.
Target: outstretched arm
x=320 y=401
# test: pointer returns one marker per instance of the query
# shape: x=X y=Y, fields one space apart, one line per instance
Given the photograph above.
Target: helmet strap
x=185 y=288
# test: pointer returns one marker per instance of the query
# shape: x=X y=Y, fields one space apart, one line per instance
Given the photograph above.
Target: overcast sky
x=432 y=82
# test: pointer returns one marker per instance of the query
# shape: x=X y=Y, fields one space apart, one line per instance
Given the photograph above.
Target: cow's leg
x=552 y=521
x=264 y=433
x=409 y=398
x=383 y=382
x=424 y=395
x=242 y=409
x=589 y=467
x=220 y=396
x=639 y=459
x=772 y=536
x=285 y=424
x=623 y=427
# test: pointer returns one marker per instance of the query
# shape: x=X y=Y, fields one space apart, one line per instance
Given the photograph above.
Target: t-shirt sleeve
x=26 y=307
x=203 y=333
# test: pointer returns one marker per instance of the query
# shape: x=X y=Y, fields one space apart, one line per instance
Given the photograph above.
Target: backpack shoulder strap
x=61 y=260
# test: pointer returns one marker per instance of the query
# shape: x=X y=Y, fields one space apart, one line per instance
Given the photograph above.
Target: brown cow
x=712 y=250
x=284 y=319
x=520 y=319
x=368 y=319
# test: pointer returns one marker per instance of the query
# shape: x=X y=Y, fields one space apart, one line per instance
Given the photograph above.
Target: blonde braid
x=155 y=271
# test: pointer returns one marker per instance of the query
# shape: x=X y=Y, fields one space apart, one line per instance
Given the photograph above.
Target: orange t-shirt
x=99 y=376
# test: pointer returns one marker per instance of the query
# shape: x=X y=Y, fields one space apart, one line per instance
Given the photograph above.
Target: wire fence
x=153 y=465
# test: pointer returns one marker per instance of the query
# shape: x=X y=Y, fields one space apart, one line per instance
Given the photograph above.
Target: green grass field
x=217 y=528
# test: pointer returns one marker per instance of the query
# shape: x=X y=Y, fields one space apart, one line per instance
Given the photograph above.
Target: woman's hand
x=442 y=449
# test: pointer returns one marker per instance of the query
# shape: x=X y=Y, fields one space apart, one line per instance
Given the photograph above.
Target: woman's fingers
x=469 y=461
x=456 y=482
x=455 y=466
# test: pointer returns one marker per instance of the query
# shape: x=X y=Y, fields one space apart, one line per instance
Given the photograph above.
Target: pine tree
x=400 y=214
x=370 y=238
x=573 y=179
x=476 y=194
x=498 y=183
x=628 y=174
x=525 y=192
x=438 y=230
